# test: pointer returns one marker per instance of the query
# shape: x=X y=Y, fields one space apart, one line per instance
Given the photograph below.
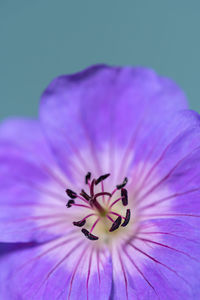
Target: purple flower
x=100 y=197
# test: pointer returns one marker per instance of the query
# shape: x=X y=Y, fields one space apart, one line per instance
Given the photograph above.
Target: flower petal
x=60 y=269
x=112 y=111
x=160 y=262
x=32 y=193
x=179 y=171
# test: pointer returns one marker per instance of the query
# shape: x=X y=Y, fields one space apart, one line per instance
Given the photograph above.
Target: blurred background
x=41 y=39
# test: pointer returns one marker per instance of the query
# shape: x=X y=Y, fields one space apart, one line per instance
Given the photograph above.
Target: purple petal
x=60 y=269
x=161 y=262
x=32 y=193
x=178 y=170
x=111 y=111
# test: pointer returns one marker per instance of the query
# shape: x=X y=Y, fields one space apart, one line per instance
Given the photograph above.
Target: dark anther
x=79 y=223
x=71 y=194
x=116 y=224
x=124 y=195
x=89 y=235
x=85 y=195
x=87 y=177
x=127 y=218
x=101 y=178
x=120 y=186
x=69 y=203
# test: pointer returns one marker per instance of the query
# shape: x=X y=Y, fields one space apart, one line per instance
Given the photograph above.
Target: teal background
x=41 y=39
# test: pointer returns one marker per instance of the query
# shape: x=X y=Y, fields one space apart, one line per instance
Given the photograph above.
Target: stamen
x=85 y=195
x=101 y=194
x=117 y=200
x=92 y=188
x=94 y=225
x=71 y=194
x=127 y=218
x=81 y=198
x=82 y=205
x=69 y=203
x=89 y=235
x=100 y=209
x=109 y=218
x=101 y=178
x=113 y=192
x=120 y=186
x=102 y=189
x=80 y=223
x=87 y=177
x=116 y=214
x=116 y=224
x=124 y=195
x=83 y=221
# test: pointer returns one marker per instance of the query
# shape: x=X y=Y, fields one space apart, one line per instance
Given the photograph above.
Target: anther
x=79 y=223
x=87 y=177
x=69 y=203
x=71 y=194
x=127 y=218
x=124 y=195
x=116 y=224
x=101 y=178
x=120 y=186
x=89 y=235
x=99 y=210
x=85 y=195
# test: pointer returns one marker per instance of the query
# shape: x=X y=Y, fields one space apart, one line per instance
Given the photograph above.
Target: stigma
x=108 y=208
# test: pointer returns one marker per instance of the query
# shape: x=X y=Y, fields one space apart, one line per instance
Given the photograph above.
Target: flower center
x=107 y=209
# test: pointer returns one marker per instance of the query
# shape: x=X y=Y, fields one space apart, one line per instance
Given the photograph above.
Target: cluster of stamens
x=91 y=201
